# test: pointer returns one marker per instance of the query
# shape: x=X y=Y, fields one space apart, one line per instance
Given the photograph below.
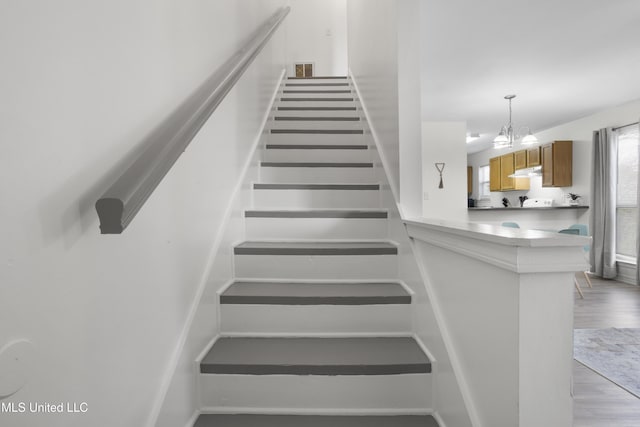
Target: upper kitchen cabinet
x=533 y=157
x=507 y=168
x=557 y=164
x=494 y=174
x=499 y=170
x=520 y=159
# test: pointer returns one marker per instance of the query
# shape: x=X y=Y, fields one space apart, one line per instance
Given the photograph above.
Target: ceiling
x=564 y=59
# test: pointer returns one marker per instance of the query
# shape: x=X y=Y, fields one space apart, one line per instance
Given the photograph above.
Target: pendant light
x=507 y=135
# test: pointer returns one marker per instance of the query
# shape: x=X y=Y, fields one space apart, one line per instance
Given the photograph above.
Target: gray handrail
x=122 y=201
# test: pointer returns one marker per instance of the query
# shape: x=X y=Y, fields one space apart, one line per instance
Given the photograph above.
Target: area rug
x=614 y=353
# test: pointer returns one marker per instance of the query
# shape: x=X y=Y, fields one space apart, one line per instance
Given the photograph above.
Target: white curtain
x=603 y=205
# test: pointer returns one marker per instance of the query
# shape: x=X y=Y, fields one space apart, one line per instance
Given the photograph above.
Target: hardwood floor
x=597 y=401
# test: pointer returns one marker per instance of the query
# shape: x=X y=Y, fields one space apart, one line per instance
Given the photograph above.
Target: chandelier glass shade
x=508 y=135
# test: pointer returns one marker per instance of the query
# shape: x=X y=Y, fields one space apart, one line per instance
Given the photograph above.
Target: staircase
x=316 y=329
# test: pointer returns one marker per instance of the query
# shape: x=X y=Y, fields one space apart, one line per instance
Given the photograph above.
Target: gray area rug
x=613 y=353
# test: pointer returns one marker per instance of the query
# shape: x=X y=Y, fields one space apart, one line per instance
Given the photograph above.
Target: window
x=483 y=182
x=304 y=70
x=627 y=193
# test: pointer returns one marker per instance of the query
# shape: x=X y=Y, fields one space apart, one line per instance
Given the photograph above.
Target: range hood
x=527 y=172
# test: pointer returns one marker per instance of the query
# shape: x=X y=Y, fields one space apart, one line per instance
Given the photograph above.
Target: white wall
x=83 y=83
x=373 y=65
x=444 y=142
x=383 y=59
x=409 y=107
x=580 y=132
x=317 y=33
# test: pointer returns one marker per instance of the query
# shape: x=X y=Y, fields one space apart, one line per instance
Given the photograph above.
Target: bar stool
x=583 y=230
x=510 y=224
x=575 y=281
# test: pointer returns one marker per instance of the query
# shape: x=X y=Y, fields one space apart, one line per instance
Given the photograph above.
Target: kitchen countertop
x=514 y=208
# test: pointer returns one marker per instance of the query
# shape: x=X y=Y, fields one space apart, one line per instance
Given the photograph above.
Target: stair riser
x=383 y=318
x=339 y=113
x=309 y=124
x=316 y=80
x=313 y=392
x=315 y=103
x=312 y=199
x=316 y=228
x=301 y=267
x=316 y=155
x=315 y=114
x=317 y=175
x=293 y=138
x=323 y=94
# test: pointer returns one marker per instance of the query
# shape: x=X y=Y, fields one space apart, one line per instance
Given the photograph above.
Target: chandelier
x=507 y=134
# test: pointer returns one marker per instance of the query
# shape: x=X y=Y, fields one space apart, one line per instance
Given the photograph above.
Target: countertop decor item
x=505 y=202
x=522 y=199
x=507 y=133
x=573 y=198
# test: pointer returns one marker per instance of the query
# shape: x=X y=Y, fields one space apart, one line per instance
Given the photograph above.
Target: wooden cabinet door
x=562 y=163
x=469 y=180
x=533 y=157
x=520 y=159
x=494 y=174
x=506 y=169
x=547 y=165
x=557 y=164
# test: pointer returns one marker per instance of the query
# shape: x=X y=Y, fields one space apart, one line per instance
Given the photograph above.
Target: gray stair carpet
x=318 y=213
x=316 y=91
x=316 y=119
x=260 y=420
x=316 y=147
x=316 y=248
x=316 y=108
x=316 y=165
x=319 y=131
x=315 y=356
x=353 y=187
x=316 y=84
x=317 y=99
x=315 y=293
x=318 y=78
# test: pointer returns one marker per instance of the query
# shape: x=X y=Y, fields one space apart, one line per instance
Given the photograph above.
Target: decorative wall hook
x=440 y=167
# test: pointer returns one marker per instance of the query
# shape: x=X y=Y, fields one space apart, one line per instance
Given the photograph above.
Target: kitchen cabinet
x=520 y=159
x=494 y=174
x=499 y=170
x=533 y=157
x=557 y=164
x=507 y=168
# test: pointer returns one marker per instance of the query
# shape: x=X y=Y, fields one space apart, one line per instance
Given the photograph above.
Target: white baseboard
x=464 y=389
x=439 y=419
x=627 y=273
x=193 y=419
x=376 y=140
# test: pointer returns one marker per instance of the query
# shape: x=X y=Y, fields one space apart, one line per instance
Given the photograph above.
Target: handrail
x=122 y=201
